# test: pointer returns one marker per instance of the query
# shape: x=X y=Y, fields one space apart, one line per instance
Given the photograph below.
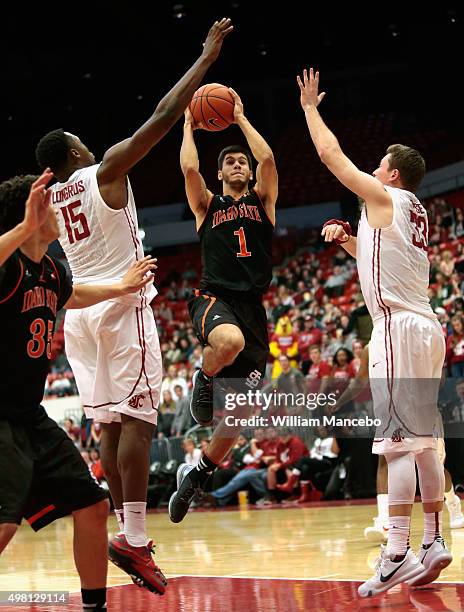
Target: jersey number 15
x=75 y=232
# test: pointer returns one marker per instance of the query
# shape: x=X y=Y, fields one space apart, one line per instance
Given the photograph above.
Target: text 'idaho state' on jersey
x=30 y=296
x=236 y=245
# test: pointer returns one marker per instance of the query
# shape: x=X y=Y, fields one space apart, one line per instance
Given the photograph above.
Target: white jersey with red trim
x=392 y=262
x=100 y=243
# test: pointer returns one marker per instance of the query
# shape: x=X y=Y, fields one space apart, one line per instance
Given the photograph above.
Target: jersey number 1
x=244 y=252
x=74 y=233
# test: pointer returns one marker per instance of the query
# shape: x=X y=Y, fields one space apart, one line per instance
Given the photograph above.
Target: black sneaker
x=180 y=500
x=201 y=402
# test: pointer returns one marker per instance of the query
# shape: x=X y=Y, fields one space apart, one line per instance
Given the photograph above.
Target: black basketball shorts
x=43 y=476
x=207 y=311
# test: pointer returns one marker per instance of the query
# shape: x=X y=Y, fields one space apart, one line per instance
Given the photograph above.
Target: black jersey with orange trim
x=30 y=296
x=236 y=245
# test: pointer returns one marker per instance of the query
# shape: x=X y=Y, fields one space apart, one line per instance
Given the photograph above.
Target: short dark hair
x=234 y=149
x=13 y=195
x=409 y=163
x=52 y=150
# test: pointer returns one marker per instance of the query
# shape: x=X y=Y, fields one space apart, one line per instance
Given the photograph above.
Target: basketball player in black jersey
x=43 y=476
x=235 y=231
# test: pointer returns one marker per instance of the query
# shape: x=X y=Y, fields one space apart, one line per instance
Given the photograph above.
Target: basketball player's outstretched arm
x=36 y=213
x=328 y=148
x=139 y=274
x=118 y=160
x=198 y=195
x=266 y=172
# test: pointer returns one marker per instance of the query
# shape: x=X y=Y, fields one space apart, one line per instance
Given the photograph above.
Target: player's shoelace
x=205 y=392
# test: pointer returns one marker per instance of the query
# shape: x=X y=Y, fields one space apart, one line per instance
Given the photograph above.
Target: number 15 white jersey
x=392 y=262
x=100 y=243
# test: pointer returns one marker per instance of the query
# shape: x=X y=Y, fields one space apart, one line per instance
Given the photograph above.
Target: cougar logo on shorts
x=136 y=401
x=397 y=436
x=253 y=379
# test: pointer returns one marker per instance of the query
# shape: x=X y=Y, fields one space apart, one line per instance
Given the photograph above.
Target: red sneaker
x=138 y=563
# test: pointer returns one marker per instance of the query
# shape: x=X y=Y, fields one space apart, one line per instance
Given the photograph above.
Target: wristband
x=346 y=228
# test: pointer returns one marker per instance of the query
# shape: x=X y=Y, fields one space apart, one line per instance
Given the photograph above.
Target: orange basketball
x=212 y=107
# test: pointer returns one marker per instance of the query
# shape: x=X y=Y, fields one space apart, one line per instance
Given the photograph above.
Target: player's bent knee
x=231 y=346
x=96 y=512
x=7 y=531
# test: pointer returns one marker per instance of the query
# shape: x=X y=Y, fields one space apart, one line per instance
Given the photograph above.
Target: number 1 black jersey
x=236 y=245
x=30 y=296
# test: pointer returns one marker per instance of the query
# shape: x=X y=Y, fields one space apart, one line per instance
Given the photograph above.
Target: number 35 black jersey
x=236 y=245
x=30 y=296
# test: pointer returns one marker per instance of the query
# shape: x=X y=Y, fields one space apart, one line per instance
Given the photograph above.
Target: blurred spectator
x=284 y=342
x=335 y=283
x=165 y=312
x=182 y=418
x=447 y=263
x=96 y=465
x=341 y=371
x=318 y=373
x=196 y=358
x=455 y=347
x=309 y=336
x=61 y=386
x=457 y=228
x=192 y=454
x=172 y=379
x=72 y=430
x=166 y=413
x=294 y=449
x=290 y=380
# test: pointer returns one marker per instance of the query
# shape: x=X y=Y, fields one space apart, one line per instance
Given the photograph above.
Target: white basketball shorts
x=114 y=352
x=406 y=355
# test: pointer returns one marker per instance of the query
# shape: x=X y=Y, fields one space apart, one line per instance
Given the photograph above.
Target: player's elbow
x=167 y=112
x=189 y=169
x=327 y=153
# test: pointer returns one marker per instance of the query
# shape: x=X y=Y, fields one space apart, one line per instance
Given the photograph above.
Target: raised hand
x=38 y=202
x=139 y=274
x=189 y=120
x=238 y=107
x=213 y=43
x=309 y=89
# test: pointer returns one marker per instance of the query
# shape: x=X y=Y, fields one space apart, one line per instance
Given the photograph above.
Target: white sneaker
x=455 y=512
x=434 y=557
x=390 y=573
x=378 y=533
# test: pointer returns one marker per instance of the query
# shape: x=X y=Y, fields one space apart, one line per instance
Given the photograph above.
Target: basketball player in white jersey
x=407 y=342
x=379 y=532
x=113 y=348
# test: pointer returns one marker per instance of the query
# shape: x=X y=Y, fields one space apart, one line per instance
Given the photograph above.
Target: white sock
x=432 y=526
x=120 y=518
x=134 y=523
x=398 y=535
x=382 y=507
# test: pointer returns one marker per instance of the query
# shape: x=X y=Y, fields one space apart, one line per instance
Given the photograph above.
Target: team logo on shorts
x=253 y=379
x=136 y=401
x=397 y=436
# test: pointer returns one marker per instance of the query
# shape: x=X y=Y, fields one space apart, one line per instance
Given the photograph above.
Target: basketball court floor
x=287 y=559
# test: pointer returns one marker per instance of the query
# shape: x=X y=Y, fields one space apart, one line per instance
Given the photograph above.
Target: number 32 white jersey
x=393 y=265
x=100 y=243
